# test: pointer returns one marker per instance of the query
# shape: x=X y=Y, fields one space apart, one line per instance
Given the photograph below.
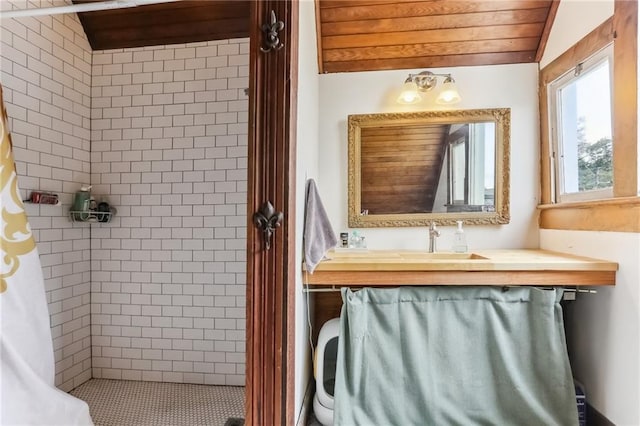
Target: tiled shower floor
x=131 y=403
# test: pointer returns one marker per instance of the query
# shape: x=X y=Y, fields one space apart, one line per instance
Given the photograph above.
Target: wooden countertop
x=478 y=267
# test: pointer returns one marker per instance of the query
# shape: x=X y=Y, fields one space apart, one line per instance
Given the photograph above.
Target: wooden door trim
x=270 y=307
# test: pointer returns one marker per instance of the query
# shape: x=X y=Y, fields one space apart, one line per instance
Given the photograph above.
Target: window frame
x=457 y=138
x=621 y=213
x=555 y=123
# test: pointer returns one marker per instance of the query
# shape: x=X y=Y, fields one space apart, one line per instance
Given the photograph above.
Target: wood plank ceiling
x=364 y=35
x=166 y=23
x=353 y=35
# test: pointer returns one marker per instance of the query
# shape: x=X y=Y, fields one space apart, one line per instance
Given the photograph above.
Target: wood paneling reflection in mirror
x=408 y=169
x=400 y=167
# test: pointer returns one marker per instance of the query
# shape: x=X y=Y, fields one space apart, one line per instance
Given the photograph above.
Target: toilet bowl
x=325 y=371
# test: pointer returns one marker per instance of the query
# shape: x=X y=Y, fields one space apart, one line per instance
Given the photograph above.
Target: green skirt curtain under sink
x=453 y=356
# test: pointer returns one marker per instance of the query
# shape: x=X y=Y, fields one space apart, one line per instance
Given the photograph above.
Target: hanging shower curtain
x=446 y=356
x=27 y=392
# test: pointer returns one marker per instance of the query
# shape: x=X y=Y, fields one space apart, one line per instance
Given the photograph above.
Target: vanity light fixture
x=424 y=82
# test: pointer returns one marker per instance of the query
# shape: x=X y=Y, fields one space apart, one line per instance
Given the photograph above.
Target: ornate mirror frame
x=500 y=116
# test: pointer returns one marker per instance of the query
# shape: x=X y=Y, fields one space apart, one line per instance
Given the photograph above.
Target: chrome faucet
x=433 y=234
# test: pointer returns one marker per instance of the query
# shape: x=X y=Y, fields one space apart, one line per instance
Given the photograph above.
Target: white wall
x=603 y=329
x=46 y=77
x=501 y=86
x=567 y=30
x=306 y=167
x=169 y=151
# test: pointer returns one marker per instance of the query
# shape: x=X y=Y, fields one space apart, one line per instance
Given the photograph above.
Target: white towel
x=27 y=392
x=318 y=234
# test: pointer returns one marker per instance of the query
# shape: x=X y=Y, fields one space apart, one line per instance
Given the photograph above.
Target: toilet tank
x=325 y=362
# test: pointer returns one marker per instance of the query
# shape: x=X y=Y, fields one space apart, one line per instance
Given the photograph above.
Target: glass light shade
x=449 y=93
x=409 y=94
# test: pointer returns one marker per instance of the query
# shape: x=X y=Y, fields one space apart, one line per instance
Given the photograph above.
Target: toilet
x=325 y=371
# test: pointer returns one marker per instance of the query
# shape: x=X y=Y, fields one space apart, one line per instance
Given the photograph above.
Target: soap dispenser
x=459 y=239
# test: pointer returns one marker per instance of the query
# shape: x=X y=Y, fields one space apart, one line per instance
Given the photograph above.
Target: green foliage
x=595 y=162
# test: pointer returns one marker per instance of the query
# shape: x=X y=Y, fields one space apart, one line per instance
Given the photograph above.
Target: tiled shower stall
x=161 y=133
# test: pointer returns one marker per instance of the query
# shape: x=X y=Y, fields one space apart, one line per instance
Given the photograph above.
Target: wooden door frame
x=270 y=307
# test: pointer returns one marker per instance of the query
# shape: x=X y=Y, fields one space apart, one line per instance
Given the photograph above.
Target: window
x=580 y=114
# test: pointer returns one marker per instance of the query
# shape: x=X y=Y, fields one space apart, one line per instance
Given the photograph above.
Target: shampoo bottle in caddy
x=81 y=203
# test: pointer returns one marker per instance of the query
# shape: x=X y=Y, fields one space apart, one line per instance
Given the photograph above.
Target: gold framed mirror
x=409 y=169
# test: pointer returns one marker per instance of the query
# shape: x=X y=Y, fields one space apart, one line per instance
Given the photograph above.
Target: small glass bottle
x=459 y=239
x=355 y=240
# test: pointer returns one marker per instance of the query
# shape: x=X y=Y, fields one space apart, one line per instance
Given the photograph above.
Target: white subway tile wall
x=46 y=78
x=169 y=150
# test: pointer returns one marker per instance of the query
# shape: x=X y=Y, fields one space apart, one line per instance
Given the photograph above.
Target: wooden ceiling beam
x=178 y=39
x=434 y=36
x=319 y=36
x=431 y=49
x=425 y=8
x=432 y=61
x=328 y=4
x=116 y=19
x=170 y=34
x=167 y=23
x=553 y=9
x=506 y=17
